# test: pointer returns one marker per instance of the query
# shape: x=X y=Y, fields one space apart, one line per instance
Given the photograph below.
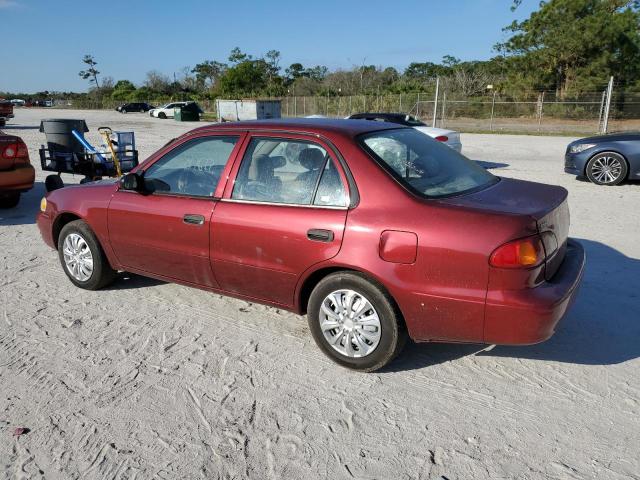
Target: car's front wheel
x=82 y=257
x=355 y=322
x=162 y=115
x=607 y=168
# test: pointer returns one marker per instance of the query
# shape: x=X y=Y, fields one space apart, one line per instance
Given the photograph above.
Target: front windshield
x=413 y=121
x=423 y=165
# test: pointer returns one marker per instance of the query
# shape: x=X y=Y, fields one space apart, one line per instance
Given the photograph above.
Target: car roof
x=323 y=126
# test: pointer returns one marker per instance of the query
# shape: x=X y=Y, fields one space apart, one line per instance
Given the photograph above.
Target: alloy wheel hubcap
x=606 y=169
x=77 y=257
x=350 y=323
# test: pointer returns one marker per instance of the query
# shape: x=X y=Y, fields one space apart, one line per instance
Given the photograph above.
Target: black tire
x=162 y=115
x=102 y=274
x=393 y=333
x=607 y=168
x=3 y=123
x=10 y=200
x=53 y=182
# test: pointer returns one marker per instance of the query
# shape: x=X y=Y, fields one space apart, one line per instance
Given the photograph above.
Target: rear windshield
x=425 y=166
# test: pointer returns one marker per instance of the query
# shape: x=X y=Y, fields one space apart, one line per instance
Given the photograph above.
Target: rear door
x=284 y=211
x=165 y=231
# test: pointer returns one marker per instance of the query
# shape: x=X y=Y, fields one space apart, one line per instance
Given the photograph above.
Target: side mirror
x=132 y=181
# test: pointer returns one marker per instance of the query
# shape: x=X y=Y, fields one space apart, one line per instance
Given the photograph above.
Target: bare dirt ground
x=155 y=380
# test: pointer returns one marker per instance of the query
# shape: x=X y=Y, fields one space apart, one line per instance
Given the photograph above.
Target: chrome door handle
x=193 y=219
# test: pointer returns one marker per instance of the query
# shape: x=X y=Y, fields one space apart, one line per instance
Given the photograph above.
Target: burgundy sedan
x=375 y=231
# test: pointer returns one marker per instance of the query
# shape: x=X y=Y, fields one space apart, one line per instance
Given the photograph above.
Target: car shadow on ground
x=25 y=212
x=127 y=281
x=491 y=165
x=20 y=127
x=602 y=327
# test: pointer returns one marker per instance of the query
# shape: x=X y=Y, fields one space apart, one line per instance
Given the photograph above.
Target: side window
x=331 y=192
x=193 y=168
x=288 y=172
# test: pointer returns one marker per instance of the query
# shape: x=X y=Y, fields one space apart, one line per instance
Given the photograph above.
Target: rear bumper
x=17 y=180
x=457 y=146
x=523 y=317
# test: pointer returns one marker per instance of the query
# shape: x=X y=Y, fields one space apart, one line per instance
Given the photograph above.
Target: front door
x=285 y=212
x=165 y=229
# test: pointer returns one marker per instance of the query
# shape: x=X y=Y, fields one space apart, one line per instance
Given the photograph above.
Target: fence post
x=304 y=106
x=607 y=106
x=444 y=103
x=540 y=106
x=493 y=106
x=400 y=109
x=418 y=106
x=604 y=94
x=435 y=102
x=349 y=106
x=295 y=106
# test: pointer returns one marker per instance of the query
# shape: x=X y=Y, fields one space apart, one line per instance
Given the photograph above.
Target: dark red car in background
x=375 y=231
x=17 y=175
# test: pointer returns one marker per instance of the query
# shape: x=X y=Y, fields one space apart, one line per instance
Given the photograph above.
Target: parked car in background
x=134 y=107
x=6 y=111
x=18 y=102
x=449 y=137
x=17 y=175
x=166 y=111
x=371 y=242
x=605 y=159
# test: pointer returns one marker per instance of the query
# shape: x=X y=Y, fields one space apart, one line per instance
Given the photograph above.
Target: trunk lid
x=546 y=204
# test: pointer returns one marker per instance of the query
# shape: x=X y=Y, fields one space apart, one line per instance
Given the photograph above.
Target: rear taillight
x=10 y=151
x=16 y=151
x=442 y=138
x=522 y=253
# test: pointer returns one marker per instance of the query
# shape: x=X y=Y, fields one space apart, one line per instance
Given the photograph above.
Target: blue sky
x=44 y=40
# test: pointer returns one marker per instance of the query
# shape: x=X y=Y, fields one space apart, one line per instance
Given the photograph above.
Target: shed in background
x=237 y=110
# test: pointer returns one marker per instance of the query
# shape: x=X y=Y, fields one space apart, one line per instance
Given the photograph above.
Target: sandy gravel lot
x=154 y=380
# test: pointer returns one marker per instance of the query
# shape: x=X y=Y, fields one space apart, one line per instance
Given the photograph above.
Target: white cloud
x=8 y=4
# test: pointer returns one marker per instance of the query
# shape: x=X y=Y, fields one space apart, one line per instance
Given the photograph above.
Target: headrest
x=264 y=162
x=311 y=158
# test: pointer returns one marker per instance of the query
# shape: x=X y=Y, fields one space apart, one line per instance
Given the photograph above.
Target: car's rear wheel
x=607 y=168
x=82 y=257
x=355 y=322
x=162 y=115
x=9 y=200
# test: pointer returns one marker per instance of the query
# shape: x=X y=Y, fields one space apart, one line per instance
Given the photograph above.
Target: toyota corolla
x=375 y=231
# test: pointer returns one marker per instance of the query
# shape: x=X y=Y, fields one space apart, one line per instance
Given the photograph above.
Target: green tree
x=91 y=73
x=208 y=72
x=575 y=45
x=122 y=90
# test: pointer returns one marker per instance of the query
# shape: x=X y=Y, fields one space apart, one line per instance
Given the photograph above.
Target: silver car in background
x=449 y=137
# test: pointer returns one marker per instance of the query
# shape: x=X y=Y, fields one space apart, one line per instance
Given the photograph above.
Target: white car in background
x=449 y=137
x=166 y=111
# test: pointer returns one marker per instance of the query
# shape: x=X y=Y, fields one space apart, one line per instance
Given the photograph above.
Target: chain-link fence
x=537 y=112
x=530 y=112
